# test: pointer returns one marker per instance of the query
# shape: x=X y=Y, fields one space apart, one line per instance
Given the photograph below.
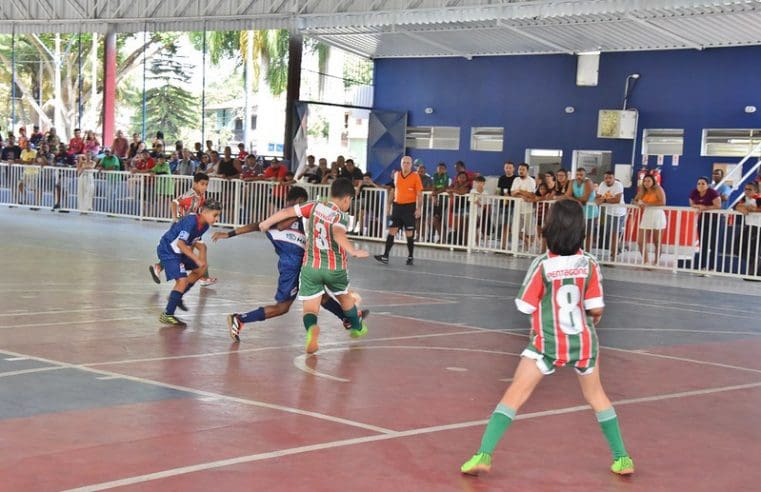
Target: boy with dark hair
x=289 y=239
x=325 y=267
x=563 y=294
x=189 y=202
x=177 y=255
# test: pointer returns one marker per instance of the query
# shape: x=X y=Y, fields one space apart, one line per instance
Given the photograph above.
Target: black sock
x=389 y=244
x=410 y=245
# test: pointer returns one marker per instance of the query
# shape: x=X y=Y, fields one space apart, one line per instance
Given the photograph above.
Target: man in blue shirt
x=289 y=240
x=181 y=263
x=723 y=190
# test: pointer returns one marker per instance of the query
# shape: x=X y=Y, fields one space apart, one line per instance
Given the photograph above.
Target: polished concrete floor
x=96 y=394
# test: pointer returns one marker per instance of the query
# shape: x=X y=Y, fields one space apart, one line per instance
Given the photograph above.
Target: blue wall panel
x=527 y=95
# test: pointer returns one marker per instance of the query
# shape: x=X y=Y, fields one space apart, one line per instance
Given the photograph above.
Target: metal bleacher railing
x=720 y=242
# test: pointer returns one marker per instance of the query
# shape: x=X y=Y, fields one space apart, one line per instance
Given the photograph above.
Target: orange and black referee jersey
x=406 y=188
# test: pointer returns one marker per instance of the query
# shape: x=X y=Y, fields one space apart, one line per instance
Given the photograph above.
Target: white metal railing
x=678 y=239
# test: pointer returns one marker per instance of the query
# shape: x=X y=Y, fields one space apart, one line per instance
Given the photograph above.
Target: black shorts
x=403 y=216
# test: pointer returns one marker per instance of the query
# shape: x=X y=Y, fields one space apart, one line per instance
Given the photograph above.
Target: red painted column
x=109 y=89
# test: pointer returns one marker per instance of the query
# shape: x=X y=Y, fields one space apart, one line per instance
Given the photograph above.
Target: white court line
x=98 y=309
x=107 y=378
x=28 y=371
x=383 y=437
x=629 y=351
x=300 y=361
x=275 y=347
x=106 y=320
x=15 y=359
x=209 y=394
x=685 y=330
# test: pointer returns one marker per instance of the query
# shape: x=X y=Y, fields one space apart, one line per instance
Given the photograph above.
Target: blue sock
x=251 y=316
x=334 y=307
x=174 y=297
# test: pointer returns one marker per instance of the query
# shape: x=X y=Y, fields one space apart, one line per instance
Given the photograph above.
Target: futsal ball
x=357 y=298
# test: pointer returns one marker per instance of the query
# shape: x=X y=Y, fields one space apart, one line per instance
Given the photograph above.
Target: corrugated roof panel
x=609 y=36
x=716 y=30
x=486 y=42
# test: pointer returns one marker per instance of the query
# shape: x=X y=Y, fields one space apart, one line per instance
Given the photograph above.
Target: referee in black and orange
x=408 y=200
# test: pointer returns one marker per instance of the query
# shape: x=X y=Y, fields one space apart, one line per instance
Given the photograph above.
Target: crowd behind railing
x=458 y=213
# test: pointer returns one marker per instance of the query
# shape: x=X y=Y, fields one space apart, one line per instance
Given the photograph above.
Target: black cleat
x=154 y=271
x=409 y=261
x=382 y=259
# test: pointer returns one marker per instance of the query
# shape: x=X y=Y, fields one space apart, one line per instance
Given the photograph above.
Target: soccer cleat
x=312 y=334
x=170 y=319
x=359 y=333
x=206 y=282
x=235 y=326
x=410 y=261
x=479 y=463
x=155 y=270
x=382 y=259
x=623 y=466
x=362 y=315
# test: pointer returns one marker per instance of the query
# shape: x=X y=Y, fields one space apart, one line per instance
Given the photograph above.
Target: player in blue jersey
x=289 y=240
x=181 y=263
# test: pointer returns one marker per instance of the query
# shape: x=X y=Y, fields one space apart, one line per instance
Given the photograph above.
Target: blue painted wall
x=527 y=95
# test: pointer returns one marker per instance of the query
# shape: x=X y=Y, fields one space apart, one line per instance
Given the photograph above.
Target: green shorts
x=313 y=283
x=547 y=364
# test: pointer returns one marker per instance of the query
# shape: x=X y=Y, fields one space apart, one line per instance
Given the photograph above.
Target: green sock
x=498 y=423
x=609 y=425
x=309 y=320
x=353 y=316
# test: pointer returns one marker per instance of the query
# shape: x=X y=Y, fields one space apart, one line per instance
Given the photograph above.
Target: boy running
x=325 y=263
x=289 y=240
x=559 y=287
x=180 y=261
x=187 y=203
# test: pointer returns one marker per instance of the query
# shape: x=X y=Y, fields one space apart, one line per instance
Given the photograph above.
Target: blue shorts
x=288 y=284
x=178 y=267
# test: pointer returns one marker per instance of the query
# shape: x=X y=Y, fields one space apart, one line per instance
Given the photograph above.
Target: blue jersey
x=289 y=245
x=188 y=229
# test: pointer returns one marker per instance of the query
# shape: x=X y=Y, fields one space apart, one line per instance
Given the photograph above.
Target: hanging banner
x=660 y=160
x=644 y=159
x=674 y=160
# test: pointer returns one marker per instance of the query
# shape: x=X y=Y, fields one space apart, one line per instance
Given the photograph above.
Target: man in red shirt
x=276 y=171
x=76 y=144
x=242 y=152
x=460 y=168
x=120 y=146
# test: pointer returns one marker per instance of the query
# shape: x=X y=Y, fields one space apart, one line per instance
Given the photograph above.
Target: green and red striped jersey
x=322 y=251
x=556 y=293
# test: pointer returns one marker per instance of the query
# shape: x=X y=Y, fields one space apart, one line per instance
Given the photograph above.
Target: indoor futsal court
x=96 y=394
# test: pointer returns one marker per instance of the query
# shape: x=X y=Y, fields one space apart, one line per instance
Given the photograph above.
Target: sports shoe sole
x=381 y=259
x=312 y=346
x=230 y=326
x=624 y=472
x=477 y=470
x=153 y=274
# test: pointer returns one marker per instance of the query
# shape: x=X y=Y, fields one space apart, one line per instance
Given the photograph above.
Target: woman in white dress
x=651 y=198
x=85 y=182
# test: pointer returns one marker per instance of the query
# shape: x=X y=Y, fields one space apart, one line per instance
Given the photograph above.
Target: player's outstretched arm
x=253 y=227
x=280 y=216
x=339 y=235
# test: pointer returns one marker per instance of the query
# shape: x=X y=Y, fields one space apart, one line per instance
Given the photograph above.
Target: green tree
x=169 y=106
x=59 y=56
x=269 y=54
